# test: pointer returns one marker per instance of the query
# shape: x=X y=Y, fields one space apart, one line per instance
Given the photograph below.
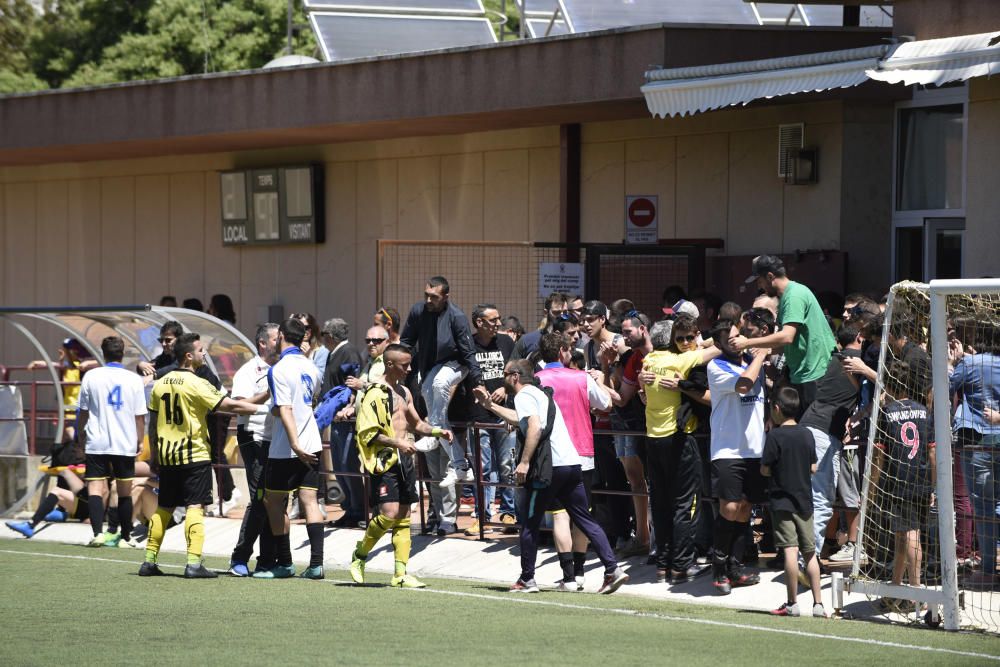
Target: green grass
x=84 y=610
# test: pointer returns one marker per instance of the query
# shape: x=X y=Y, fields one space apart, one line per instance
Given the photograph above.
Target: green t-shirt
x=809 y=354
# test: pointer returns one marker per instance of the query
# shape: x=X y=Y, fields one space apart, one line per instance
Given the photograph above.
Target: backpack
x=540 y=467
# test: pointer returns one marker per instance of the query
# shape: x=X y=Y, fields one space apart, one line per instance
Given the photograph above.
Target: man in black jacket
x=445 y=354
x=344 y=362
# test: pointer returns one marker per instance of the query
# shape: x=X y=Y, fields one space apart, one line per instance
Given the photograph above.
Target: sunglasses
x=686 y=339
x=384 y=313
x=375 y=341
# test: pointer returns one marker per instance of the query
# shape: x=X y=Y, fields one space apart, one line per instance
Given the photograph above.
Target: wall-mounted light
x=803 y=166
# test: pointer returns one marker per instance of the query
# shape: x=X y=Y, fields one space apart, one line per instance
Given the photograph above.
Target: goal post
x=911 y=398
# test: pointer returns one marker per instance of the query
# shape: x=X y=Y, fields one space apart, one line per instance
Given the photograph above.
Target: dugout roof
x=226 y=349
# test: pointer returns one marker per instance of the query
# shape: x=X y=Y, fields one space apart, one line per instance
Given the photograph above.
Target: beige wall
x=716 y=177
x=129 y=231
x=126 y=232
x=982 y=222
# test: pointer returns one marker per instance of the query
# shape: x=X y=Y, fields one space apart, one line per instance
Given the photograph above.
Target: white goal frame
x=947 y=594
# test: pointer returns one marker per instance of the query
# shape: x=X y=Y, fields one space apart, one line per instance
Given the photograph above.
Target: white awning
x=938 y=61
x=690 y=90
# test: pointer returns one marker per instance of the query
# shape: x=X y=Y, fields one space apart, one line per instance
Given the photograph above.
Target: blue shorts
x=627 y=445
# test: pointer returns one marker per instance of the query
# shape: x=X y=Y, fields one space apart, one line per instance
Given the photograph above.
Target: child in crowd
x=790 y=460
x=904 y=454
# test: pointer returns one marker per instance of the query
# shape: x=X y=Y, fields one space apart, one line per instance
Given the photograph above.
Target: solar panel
x=538 y=27
x=435 y=6
x=587 y=15
x=344 y=36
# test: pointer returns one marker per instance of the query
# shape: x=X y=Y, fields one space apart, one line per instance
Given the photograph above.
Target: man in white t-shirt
x=293 y=457
x=737 y=390
x=253 y=433
x=531 y=415
x=112 y=423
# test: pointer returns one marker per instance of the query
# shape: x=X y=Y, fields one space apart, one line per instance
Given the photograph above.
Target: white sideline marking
x=611 y=610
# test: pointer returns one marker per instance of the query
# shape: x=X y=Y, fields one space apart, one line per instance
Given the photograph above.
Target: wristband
x=262 y=410
x=436 y=432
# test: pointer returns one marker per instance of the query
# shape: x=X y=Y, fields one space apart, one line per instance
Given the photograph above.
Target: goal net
x=927 y=548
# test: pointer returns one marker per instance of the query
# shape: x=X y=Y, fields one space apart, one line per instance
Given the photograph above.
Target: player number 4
x=115 y=397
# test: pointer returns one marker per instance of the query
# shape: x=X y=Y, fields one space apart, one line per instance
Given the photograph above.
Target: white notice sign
x=641 y=220
x=560 y=277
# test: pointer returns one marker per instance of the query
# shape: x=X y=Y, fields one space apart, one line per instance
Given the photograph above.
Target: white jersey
x=250 y=380
x=737 y=420
x=294 y=381
x=532 y=401
x=113 y=397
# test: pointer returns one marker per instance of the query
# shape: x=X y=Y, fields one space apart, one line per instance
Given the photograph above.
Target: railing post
x=33 y=412
x=480 y=491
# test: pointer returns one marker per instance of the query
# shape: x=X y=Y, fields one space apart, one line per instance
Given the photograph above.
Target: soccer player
x=179 y=452
x=386 y=418
x=112 y=423
x=293 y=458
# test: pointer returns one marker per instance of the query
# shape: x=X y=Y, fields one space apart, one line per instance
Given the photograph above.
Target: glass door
x=944 y=247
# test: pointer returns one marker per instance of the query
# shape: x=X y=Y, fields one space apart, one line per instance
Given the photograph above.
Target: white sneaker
x=232 y=503
x=426 y=444
x=293 y=511
x=846 y=554
x=455 y=476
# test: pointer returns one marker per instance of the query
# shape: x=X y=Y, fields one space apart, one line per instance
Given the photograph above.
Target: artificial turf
x=68 y=604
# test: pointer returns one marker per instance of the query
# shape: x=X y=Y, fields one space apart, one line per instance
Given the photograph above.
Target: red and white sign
x=641 y=223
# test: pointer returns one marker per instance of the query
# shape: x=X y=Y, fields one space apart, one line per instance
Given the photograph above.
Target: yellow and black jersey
x=181 y=401
x=374 y=418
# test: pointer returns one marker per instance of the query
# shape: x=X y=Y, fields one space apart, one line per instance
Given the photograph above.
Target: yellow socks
x=401 y=544
x=157 y=527
x=194 y=532
x=377 y=527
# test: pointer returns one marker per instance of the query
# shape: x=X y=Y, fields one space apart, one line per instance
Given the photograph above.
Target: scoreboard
x=277 y=205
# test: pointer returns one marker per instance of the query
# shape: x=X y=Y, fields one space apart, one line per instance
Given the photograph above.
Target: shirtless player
x=385 y=423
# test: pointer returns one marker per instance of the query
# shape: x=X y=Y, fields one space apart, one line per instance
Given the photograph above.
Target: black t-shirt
x=903 y=433
x=836 y=397
x=492 y=359
x=790 y=452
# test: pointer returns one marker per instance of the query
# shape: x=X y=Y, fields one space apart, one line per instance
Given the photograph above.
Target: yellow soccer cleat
x=357 y=568
x=406 y=581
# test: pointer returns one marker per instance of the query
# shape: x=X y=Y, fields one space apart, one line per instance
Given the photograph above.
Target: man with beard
x=445 y=354
x=803 y=331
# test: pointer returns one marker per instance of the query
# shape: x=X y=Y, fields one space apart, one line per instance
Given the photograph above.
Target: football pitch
x=63 y=603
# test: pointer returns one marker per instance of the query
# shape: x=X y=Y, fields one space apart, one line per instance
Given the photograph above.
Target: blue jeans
x=982 y=475
x=345 y=459
x=437 y=389
x=824 y=482
x=497 y=453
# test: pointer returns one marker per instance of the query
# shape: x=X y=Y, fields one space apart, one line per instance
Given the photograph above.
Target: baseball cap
x=764 y=264
x=682 y=307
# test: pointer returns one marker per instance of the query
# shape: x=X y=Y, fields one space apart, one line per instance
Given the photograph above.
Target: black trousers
x=674 y=468
x=255 y=522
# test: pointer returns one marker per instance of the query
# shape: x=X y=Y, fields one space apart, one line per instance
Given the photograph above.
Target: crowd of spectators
x=672 y=414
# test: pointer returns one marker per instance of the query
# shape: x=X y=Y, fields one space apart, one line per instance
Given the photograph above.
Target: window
x=929 y=184
x=931 y=158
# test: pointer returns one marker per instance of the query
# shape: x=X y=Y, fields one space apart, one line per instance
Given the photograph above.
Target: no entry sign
x=641 y=224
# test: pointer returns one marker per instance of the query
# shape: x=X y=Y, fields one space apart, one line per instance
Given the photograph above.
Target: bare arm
x=287 y=416
x=421 y=427
x=749 y=377
x=81 y=428
x=766 y=470
x=626 y=392
x=154 y=462
x=784 y=336
x=242 y=407
x=140 y=429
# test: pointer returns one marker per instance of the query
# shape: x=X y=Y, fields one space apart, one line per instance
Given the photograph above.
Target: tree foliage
x=76 y=43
